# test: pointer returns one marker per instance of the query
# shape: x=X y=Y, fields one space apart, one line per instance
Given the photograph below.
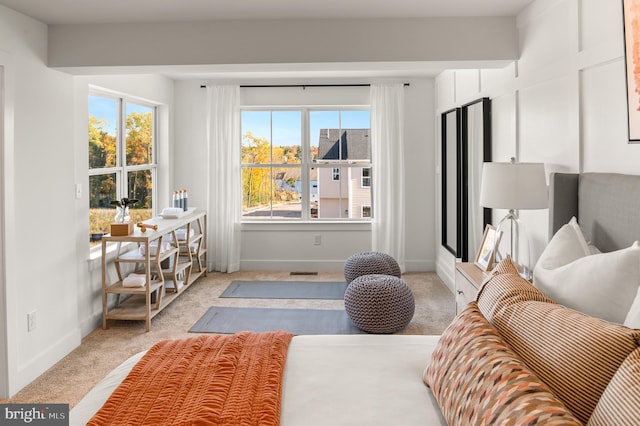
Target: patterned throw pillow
x=478 y=380
x=575 y=354
x=620 y=402
x=506 y=287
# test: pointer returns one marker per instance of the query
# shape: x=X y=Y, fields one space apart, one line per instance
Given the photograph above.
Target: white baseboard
x=48 y=357
x=292 y=265
x=90 y=324
x=420 y=265
x=321 y=265
x=446 y=271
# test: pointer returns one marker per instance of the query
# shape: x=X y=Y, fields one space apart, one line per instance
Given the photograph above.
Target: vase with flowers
x=122 y=207
x=122 y=224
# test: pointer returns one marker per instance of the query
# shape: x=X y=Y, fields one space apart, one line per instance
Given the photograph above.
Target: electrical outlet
x=317 y=240
x=31 y=321
x=78 y=190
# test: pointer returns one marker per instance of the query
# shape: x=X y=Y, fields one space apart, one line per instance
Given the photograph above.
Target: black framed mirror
x=451 y=181
x=475 y=150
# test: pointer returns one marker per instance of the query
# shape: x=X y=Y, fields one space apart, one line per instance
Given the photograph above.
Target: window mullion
x=121 y=155
x=305 y=171
x=271 y=164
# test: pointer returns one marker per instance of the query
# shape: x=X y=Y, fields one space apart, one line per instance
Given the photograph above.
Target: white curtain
x=223 y=180
x=387 y=152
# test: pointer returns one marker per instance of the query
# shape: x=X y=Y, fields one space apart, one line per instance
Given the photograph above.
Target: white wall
x=563 y=103
x=291 y=246
x=47 y=263
x=40 y=233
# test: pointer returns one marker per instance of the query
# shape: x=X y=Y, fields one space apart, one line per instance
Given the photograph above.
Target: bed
x=378 y=379
x=333 y=380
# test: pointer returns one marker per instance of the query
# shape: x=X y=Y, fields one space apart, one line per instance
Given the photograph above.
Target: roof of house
x=294 y=173
x=354 y=143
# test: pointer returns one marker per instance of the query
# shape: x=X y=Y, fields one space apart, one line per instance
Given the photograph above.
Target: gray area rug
x=285 y=289
x=220 y=319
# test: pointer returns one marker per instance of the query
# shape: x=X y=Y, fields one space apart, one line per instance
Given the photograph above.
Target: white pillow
x=568 y=244
x=601 y=285
x=633 y=316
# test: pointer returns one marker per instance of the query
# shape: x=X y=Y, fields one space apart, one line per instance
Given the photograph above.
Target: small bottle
x=185 y=200
x=175 y=198
x=180 y=199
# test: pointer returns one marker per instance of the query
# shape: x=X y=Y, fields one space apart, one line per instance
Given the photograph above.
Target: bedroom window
x=305 y=163
x=122 y=150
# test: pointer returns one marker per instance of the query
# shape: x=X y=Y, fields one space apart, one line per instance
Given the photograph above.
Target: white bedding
x=334 y=380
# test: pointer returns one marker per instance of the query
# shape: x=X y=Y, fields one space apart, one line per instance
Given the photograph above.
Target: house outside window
x=122 y=163
x=304 y=163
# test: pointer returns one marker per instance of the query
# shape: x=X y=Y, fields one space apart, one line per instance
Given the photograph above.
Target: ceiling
x=129 y=11
x=121 y=11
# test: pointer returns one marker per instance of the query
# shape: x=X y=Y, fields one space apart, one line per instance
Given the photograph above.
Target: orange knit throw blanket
x=205 y=380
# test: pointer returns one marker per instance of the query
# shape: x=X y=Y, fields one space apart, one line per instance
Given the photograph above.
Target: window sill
x=305 y=226
x=95 y=254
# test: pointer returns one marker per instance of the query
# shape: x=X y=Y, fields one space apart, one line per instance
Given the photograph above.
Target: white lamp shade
x=518 y=186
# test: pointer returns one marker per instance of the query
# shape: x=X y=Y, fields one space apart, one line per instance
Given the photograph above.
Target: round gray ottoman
x=368 y=263
x=379 y=303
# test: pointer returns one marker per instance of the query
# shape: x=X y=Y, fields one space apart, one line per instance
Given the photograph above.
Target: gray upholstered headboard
x=607 y=206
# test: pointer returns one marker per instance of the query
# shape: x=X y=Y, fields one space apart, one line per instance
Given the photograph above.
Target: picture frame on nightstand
x=487 y=251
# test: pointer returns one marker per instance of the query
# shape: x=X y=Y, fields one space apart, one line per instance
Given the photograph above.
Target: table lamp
x=514 y=186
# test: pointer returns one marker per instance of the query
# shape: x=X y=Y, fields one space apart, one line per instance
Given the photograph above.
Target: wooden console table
x=167 y=272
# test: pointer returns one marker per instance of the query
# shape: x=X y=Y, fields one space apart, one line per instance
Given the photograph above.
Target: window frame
x=307 y=165
x=121 y=169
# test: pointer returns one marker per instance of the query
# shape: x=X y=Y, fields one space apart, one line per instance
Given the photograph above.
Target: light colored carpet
x=102 y=350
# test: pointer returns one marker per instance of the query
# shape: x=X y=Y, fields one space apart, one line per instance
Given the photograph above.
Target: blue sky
x=106 y=109
x=287 y=124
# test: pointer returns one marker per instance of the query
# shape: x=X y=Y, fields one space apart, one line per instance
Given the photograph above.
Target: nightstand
x=469 y=278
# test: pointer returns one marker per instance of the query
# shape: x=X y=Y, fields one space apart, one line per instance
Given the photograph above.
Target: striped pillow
x=574 y=354
x=620 y=402
x=504 y=288
x=505 y=266
x=478 y=380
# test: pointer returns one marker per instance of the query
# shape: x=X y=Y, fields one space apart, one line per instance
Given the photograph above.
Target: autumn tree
x=102 y=153
x=139 y=128
x=258 y=183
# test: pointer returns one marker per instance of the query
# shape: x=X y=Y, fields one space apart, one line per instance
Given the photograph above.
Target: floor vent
x=304 y=273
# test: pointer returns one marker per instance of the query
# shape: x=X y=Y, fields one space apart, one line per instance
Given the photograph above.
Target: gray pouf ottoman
x=368 y=263
x=379 y=303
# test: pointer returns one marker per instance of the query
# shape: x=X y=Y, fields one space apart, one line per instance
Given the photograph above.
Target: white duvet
x=334 y=380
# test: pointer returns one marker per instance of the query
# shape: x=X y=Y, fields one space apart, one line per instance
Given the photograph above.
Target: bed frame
x=607 y=206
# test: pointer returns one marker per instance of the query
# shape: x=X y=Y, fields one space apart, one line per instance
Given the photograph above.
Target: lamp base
x=518 y=243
